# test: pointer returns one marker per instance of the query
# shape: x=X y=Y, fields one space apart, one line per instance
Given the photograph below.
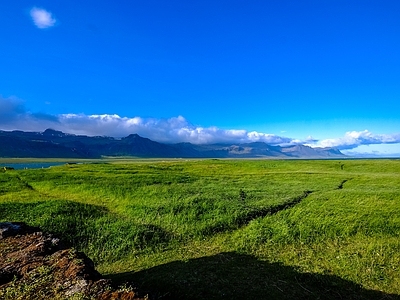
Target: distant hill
x=52 y=143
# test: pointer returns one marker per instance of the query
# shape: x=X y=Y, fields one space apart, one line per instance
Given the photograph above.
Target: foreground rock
x=34 y=265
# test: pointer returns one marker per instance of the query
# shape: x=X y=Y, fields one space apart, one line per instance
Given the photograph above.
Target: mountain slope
x=52 y=143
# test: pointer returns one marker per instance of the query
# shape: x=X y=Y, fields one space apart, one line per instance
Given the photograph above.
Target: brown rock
x=34 y=265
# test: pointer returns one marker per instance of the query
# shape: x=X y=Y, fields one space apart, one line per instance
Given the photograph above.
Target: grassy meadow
x=224 y=229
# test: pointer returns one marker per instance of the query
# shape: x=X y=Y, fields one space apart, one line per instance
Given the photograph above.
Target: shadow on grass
x=252 y=214
x=237 y=276
x=263 y=212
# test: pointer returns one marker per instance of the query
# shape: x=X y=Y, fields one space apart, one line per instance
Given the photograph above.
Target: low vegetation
x=218 y=229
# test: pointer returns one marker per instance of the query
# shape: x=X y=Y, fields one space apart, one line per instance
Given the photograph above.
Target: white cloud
x=42 y=18
x=375 y=150
x=353 y=139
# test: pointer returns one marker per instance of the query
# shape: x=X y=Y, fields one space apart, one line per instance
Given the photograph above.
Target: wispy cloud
x=14 y=116
x=42 y=18
x=354 y=139
x=10 y=108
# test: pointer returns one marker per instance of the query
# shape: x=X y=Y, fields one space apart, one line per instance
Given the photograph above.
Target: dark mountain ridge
x=53 y=143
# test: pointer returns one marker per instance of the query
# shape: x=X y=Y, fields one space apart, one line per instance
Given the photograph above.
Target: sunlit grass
x=328 y=217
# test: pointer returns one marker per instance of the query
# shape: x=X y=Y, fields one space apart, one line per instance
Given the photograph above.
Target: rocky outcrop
x=35 y=265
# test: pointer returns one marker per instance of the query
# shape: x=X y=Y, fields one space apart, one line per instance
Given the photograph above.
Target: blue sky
x=321 y=73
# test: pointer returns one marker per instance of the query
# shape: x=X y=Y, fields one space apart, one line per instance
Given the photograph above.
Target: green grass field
x=224 y=229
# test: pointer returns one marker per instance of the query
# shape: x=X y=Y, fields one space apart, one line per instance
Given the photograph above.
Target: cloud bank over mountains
x=14 y=116
x=171 y=130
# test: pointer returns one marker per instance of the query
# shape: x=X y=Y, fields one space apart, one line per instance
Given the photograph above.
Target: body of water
x=36 y=165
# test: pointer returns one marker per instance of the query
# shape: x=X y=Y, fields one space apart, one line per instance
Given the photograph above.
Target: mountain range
x=56 y=144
